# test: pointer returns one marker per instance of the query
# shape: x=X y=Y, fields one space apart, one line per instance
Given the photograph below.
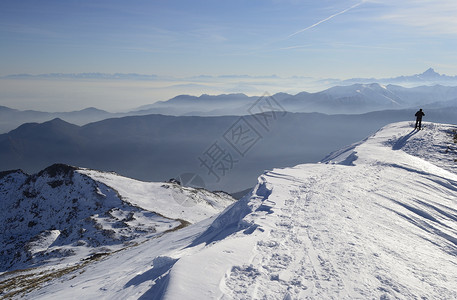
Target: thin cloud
x=435 y=17
x=294 y=47
x=340 y=45
x=345 y=45
x=28 y=30
x=326 y=19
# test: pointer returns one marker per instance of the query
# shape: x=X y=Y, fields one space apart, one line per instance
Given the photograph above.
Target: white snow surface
x=63 y=215
x=168 y=199
x=375 y=221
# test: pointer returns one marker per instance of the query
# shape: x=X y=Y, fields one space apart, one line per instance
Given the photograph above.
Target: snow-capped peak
x=430 y=74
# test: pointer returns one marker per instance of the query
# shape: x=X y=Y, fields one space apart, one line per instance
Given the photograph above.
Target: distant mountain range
x=158 y=147
x=12 y=118
x=356 y=98
x=352 y=99
x=430 y=76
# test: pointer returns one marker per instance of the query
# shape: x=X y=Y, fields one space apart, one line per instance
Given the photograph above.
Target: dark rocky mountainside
x=51 y=214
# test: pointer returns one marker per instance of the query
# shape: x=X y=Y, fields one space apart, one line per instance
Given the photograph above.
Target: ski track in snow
x=372 y=222
x=305 y=256
x=325 y=240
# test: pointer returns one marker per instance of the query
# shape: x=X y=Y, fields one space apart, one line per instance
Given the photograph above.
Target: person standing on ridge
x=419 y=114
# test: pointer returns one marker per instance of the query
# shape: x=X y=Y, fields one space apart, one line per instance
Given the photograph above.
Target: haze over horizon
x=192 y=46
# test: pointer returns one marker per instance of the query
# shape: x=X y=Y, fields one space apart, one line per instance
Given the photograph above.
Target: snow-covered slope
x=64 y=214
x=168 y=199
x=374 y=92
x=377 y=220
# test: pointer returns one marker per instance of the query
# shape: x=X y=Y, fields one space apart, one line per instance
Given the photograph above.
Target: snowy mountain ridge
x=64 y=214
x=377 y=219
x=354 y=98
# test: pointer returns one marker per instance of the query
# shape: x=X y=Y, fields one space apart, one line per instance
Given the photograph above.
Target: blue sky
x=180 y=39
x=185 y=38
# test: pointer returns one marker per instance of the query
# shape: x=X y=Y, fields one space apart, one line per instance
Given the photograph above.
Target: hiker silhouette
x=419 y=114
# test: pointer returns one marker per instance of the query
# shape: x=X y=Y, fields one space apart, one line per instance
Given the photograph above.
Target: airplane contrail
x=326 y=19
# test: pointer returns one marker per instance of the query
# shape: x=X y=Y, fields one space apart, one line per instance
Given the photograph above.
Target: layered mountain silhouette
x=348 y=99
x=355 y=98
x=158 y=147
